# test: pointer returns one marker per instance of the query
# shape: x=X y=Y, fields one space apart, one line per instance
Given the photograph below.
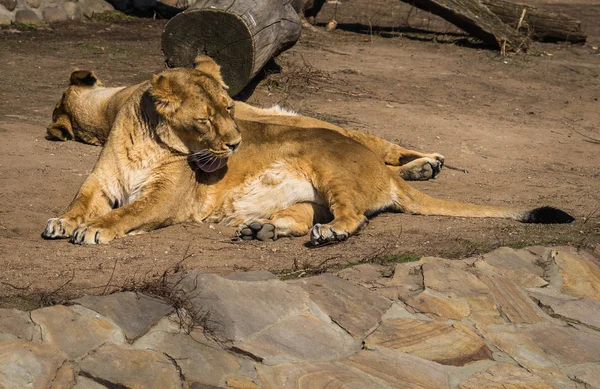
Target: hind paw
x=256 y=230
x=422 y=169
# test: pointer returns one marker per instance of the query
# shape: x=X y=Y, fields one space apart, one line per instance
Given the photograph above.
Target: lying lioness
x=87 y=110
x=176 y=154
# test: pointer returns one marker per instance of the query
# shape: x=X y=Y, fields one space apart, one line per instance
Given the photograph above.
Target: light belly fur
x=275 y=189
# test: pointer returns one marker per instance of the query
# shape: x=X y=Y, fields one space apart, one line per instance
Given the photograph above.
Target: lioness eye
x=230 y=108
x=203 y=120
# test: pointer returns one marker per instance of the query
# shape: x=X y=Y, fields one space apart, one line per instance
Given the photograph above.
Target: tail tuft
x=547 y=215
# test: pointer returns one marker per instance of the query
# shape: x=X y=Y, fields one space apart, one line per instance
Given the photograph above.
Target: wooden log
x=538 y=24
x=240 y=35
x=477 y=20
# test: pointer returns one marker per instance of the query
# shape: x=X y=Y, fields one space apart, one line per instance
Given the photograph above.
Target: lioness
x=175 y=154
x=87 y=110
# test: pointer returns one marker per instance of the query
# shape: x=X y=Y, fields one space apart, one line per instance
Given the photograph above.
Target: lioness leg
x=90 y=202
x=147 y=213
x=391 y=153
x=295 y=220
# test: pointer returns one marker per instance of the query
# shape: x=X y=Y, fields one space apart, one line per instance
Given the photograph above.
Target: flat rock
x=568 y=345
x=33 y=3
x=302 y=338
x=323 y=375
x=451 y=276
x=27 y=16
x=6 y=17
x=54 y=14
x=72 y=10
x=439 y=305
x=30 y=365
x=94 y=7
x=200 y=359
x=505 y=376
x=75 y=330
x=526 y=353
x=87 y=383
x=513 y=301
x=484 y=311
x=253 y=275
x=9 y=4
x=15 y=324
x=586 y=373
x=399 y=370
x=447 y=344
x=242 y=382
x=135 y=313
x=520 y=277
x=580 y=276
x=237 y=309
x=584 y=311
x=522 y=261
x=406 y=281
x=354 y=308
x=130 y=368
x=364 y=274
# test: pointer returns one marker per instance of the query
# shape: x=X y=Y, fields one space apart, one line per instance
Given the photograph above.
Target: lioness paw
x=422 y=169
x=323 y=234
x=256 y=230
x=57 y=228
x=85 y=234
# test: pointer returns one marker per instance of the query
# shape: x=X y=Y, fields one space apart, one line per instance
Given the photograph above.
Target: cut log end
x=222 y=36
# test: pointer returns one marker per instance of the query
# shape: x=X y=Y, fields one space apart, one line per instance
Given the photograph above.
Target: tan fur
x=282 y=181
x=86 y=113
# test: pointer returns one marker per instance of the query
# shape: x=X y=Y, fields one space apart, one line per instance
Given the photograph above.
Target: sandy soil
x=525 y=127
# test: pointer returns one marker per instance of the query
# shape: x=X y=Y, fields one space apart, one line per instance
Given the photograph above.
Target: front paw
x=59 y=228
x=88 y=234
x=322 y=234
x=256 y=230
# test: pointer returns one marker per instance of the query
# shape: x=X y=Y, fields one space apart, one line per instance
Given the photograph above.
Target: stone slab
x=583 y=311
x=580 y=276
x=449 y=344
x=505 y=376
x=27 y=16
x=302 y=338
x=200 y=359
x=130 y=368
x=252 y=275
x=237 y=309
x=323 y=375
x=451 y=276
x=439 y=305
x=15 y=324
x=30 y=365
x=586 y=373
x=568 y=345
x=513 y=301
x=135 y=313
x=355 y=308
x=400 y=370
x=75 y=330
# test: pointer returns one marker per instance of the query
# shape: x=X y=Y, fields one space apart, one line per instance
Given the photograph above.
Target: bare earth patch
x=524 y=127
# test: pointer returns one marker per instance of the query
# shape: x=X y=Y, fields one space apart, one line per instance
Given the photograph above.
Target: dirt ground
x=525 y=127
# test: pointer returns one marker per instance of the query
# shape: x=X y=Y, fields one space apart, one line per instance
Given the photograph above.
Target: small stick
x=460 y=169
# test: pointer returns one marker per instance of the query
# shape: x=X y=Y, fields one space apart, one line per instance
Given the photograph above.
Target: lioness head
x=62 y=124
x=196 y=105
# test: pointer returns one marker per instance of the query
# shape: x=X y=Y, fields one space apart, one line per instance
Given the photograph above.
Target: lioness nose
x=233 y=146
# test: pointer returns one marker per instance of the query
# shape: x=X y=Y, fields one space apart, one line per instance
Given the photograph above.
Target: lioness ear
x=84 y=77
x=205 y=64
x=166 y=100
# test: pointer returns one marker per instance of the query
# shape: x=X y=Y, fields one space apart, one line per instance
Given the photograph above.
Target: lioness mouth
x=208 y=162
